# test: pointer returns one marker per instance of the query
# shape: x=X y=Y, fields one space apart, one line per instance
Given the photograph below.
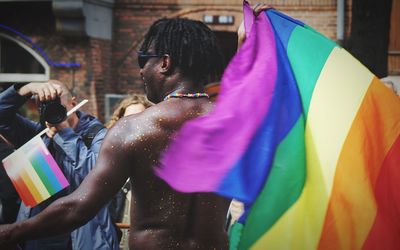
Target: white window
x=20 y=63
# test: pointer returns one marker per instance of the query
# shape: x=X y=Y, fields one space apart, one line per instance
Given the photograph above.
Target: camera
x=52 y=112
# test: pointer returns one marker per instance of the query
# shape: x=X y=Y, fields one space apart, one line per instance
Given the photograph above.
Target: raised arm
x=74 y=210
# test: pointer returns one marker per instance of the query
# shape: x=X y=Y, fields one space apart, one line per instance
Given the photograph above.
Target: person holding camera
x=74 y=142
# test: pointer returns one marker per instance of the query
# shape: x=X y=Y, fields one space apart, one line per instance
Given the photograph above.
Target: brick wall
x=89 y=80
x=60 y=49
x=110 y=66
x=133 y=17
x=100 y=70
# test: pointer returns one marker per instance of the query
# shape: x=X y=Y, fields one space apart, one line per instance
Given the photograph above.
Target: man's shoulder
x=148 y=124
x=163 y=118
x=136 y=124
x=154 y=114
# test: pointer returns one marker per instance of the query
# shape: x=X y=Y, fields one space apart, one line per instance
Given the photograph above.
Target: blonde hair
x=126 y=102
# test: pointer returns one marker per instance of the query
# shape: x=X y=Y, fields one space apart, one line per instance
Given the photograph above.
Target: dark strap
x=91 y=134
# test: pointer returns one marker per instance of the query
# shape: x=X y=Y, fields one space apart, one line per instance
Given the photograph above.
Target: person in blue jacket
x=74 y=144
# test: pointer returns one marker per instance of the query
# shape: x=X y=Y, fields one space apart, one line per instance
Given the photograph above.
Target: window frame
x=25 y=77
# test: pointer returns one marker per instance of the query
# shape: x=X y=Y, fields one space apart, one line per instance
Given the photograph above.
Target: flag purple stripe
x=218 y=140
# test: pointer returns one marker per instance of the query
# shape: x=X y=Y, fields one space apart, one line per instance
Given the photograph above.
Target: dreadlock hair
x=192 y=46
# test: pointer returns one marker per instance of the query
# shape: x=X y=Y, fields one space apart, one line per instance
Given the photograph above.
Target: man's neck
x=183 y=87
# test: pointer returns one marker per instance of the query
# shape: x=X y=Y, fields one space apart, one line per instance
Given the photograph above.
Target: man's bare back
x=162 y=218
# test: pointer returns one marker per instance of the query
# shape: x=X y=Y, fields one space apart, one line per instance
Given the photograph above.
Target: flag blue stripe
x=283 y=29
x=247 y=177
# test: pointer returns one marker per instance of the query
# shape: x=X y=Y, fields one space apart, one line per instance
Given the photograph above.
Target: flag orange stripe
x=385 y=232
x=24 y=192
x=31 y=185
x=352 y=207
x=19 y=184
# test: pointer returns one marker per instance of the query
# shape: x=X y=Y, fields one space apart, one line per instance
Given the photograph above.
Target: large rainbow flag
x=34 y=172
x=305 y=136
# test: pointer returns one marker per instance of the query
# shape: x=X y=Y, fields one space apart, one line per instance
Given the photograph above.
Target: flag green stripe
x=307 y=52
x=42 y=175
x=283 y=187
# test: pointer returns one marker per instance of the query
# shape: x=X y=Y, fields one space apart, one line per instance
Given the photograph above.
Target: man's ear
x=166 y=65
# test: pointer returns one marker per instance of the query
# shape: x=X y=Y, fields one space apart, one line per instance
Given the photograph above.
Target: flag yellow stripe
x=336 y=99
x=35 y=183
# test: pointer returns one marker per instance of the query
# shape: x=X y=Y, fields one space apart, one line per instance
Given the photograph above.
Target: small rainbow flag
x=304 y=135
x=34 y=172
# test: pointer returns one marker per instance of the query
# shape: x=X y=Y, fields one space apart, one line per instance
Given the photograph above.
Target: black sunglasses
x=143 y=58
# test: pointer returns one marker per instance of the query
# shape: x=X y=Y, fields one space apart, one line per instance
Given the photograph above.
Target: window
x=111 y=102
x=20 y=63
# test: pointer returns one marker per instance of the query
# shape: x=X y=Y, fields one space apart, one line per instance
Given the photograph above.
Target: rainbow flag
x=34 y=173
x=305 y=136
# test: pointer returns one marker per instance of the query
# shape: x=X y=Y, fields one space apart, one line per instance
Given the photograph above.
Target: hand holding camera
x=51 y=110
x=45 y=91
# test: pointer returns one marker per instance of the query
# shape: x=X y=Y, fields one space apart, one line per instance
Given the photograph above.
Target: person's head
x=67 y=98
x=181 y=47
x=132 y=104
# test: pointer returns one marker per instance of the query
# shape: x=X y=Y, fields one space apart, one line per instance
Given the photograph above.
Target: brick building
x=91 y=44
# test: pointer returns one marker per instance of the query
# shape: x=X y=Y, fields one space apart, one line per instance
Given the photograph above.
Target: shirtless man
x=177 y=58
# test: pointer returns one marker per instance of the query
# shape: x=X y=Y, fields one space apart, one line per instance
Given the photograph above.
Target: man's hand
x=45 y=91
x=54 y=128
x=241 y=34
x=257 y=9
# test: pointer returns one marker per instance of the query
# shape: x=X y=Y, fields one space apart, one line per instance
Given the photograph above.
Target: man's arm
x=72 y=211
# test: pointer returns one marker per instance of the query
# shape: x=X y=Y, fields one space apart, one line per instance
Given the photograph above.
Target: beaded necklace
x=188 y=95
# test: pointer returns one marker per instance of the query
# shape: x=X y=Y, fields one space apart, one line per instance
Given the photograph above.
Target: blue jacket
x=75 y=160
